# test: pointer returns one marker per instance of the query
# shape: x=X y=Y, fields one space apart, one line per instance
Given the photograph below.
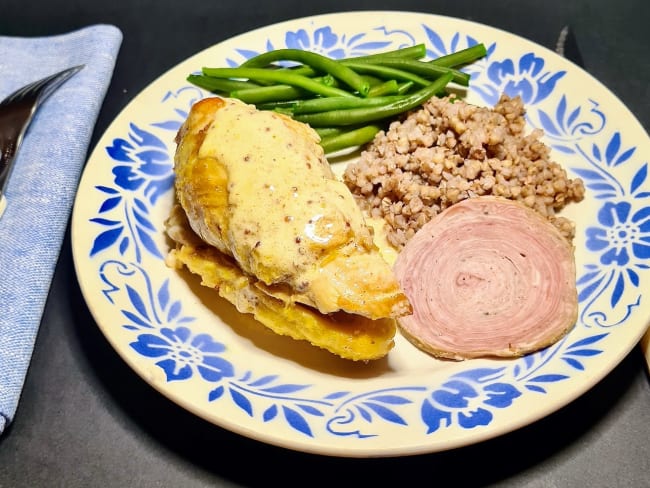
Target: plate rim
x=309 y=447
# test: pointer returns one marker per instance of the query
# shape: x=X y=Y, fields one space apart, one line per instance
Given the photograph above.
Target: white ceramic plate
x=198 y=351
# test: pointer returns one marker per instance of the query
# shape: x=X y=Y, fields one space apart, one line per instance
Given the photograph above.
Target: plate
x=224 y=367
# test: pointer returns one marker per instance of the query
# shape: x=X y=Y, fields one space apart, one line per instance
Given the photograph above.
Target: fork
x=16 y=113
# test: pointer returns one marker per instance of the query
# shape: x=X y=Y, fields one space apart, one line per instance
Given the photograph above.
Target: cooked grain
x=450 y=150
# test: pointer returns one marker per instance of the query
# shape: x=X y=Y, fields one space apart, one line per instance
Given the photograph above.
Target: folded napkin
x=43 y=183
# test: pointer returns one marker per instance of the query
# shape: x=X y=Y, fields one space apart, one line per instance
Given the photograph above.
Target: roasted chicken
x=258 y=192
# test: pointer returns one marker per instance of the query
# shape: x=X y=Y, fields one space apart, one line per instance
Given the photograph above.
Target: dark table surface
x=85 y=419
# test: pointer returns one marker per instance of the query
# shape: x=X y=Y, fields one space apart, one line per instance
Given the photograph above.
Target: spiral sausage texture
x=488 y=277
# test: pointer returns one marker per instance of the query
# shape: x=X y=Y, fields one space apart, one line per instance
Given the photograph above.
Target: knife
x=567 y=46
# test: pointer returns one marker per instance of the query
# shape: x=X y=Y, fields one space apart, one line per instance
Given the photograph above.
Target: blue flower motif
x=525 y=78
x=147 y=163
x=466 y=399
x=181 y=354
x=322 y=41
x=622 y=235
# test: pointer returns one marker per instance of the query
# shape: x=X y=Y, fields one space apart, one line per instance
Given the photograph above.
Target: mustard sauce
x=287 y=209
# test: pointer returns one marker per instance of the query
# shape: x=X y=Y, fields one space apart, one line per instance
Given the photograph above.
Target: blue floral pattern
x=616 y=267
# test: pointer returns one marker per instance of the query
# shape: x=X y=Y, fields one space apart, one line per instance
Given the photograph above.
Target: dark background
x=85 y=419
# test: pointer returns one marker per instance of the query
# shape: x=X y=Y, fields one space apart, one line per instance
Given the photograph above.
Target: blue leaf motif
x=143 y=221
x=574 y=363
x=241 y=401
x=385 y=413
x=136 y=301
x=364 y=413
x=588 y=340
x=336 y=395
x=216 y=393
x=392 y=399
x=548 y=124
x=601 y=187
x=639 y=178
x=174 y=311
x=141 y=205
x=549 y=378
x=285 y=389
x=106 y=189
x=124 y=244
x=585 y=352
x=588 y=290
x=589 y=174
x=435 y=40
x=109 y=204
x=135 y=319
x=270 y=413
x=172 y=125
x=296 y=421
x=310 y=410
x=148 y=242
x=634 y=277
x=564 y=149
x=105 y=239
x=625 y=156
x=613 y=148
x=105 y=222
x=617 y=292
x=264 y=380
x=163 y=294
x=595 y=150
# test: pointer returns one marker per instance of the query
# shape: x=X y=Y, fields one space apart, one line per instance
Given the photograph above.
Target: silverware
x=567 y=46
x=16 y=113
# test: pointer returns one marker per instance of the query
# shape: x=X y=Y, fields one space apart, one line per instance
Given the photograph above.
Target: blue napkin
x=43 y=183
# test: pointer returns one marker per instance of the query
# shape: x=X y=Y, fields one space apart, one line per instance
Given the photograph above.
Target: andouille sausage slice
x=487 y=277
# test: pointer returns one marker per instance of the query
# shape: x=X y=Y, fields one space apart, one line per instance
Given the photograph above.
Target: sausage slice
x=487 y=277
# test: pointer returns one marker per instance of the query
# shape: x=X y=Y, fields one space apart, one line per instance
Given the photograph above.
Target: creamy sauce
x=286 y=206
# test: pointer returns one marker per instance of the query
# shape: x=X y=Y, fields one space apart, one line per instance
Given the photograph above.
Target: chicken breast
x=256 y=186
x=346 y=335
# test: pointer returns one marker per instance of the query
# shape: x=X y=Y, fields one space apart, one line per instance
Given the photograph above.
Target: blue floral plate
x=226 y=368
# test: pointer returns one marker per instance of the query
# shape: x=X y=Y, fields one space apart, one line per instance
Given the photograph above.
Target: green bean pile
x=347 y=101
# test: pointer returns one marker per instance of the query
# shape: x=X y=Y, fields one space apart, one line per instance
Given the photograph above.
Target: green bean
x=316 y=61
x=422 y=68
x=351 y=138
x=219 y=85
x=267 y=94
x=362 y=115
x=413 y=52
x=330 y=131
x=386 y=72
x=282 y=77
x=464 y=56
x=416 y=51
x=403 y=88
x=390 y=87
x=283 y=105
x=325 y=104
